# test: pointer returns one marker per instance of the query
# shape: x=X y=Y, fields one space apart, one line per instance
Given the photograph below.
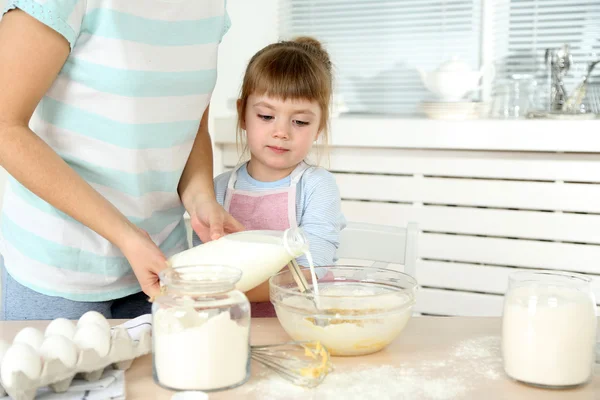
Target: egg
x=30 y=336
x=20 y=357
x=61 y=326
x=93 y=317
x=93 y=336
x=61 y=348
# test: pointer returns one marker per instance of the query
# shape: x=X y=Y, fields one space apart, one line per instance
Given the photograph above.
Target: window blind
x=524 y=29
x=377 y=46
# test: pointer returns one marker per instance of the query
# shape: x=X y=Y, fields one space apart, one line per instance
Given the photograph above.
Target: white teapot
x=452 y=80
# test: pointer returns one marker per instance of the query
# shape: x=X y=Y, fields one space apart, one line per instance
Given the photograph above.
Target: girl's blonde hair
x=298 y=69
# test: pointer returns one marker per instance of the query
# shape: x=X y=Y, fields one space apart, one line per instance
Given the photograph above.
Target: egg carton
x=90 y=366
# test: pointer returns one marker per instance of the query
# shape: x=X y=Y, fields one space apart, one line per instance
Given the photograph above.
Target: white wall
x=254 y=25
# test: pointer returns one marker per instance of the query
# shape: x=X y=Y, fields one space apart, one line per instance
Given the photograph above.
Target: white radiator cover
x=490 y=197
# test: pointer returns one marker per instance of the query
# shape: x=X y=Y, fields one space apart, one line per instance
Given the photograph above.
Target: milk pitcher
x=259 y=254
x=549 y=329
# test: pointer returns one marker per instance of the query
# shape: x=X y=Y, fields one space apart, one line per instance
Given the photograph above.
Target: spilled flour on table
x=483 y=353
x=470 y=361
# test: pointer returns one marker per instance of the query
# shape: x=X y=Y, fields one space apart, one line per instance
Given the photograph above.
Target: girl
x=283 y=109
x=103 y=127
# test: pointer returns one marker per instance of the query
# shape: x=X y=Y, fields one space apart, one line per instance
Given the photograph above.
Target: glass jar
x=517 y=97
x=549 y=329
x=201 y=329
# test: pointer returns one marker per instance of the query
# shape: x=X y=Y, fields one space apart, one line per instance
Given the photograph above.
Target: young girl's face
x=280 y=134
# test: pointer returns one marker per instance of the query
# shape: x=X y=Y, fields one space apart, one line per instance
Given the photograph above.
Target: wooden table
x=434 y=358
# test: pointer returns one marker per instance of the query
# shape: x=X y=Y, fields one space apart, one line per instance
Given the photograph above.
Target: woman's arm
x=196 y=190
x=197 y=178
x=31 y=56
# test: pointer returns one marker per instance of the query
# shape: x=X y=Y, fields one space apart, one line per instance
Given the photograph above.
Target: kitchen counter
x=434 y=358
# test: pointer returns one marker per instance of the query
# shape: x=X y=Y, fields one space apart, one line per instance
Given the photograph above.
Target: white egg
x=20 y=357
x=61 y=348
x=61 y=326
x=30 y=336
x=93 y=336
x=93 y=317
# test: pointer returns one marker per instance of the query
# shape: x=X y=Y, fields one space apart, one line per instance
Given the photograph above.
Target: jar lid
x=195 y=395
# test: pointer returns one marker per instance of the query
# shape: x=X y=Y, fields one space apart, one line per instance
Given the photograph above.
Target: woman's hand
x=146 y=260
x=210 y=221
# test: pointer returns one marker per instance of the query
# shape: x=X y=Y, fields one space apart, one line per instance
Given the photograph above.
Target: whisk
x=302 y=363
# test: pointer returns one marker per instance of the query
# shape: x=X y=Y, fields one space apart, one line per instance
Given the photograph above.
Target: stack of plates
x=456 y=110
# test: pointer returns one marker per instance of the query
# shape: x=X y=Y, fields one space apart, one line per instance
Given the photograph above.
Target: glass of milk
x=549 y=329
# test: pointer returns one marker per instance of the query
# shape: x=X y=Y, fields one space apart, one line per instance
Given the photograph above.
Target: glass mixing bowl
x=359 y=310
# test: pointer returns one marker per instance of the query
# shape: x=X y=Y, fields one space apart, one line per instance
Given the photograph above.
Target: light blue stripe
x=133 y=83
x=117 y=25
x=49 y=14
x=159 y=220
x=72 y=258
x=154 y=224
x=132 y=184
x=59 y=256
x=130 y=136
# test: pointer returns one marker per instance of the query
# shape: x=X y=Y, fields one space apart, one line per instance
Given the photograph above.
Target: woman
x=103 y=125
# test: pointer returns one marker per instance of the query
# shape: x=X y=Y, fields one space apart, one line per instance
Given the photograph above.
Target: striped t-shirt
x=318 y=208
x=123 y=113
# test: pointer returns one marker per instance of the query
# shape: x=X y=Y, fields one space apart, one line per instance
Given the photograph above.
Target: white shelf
x=486 y=134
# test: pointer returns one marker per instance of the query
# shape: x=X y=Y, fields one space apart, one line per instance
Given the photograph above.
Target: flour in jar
x=195 y=352
x=549 y=341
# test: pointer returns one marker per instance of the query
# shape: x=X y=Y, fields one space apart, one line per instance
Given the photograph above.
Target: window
x=378 y=46
x=524 y=29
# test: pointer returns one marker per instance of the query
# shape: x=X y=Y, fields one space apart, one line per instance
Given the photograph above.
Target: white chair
x=381 y=244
